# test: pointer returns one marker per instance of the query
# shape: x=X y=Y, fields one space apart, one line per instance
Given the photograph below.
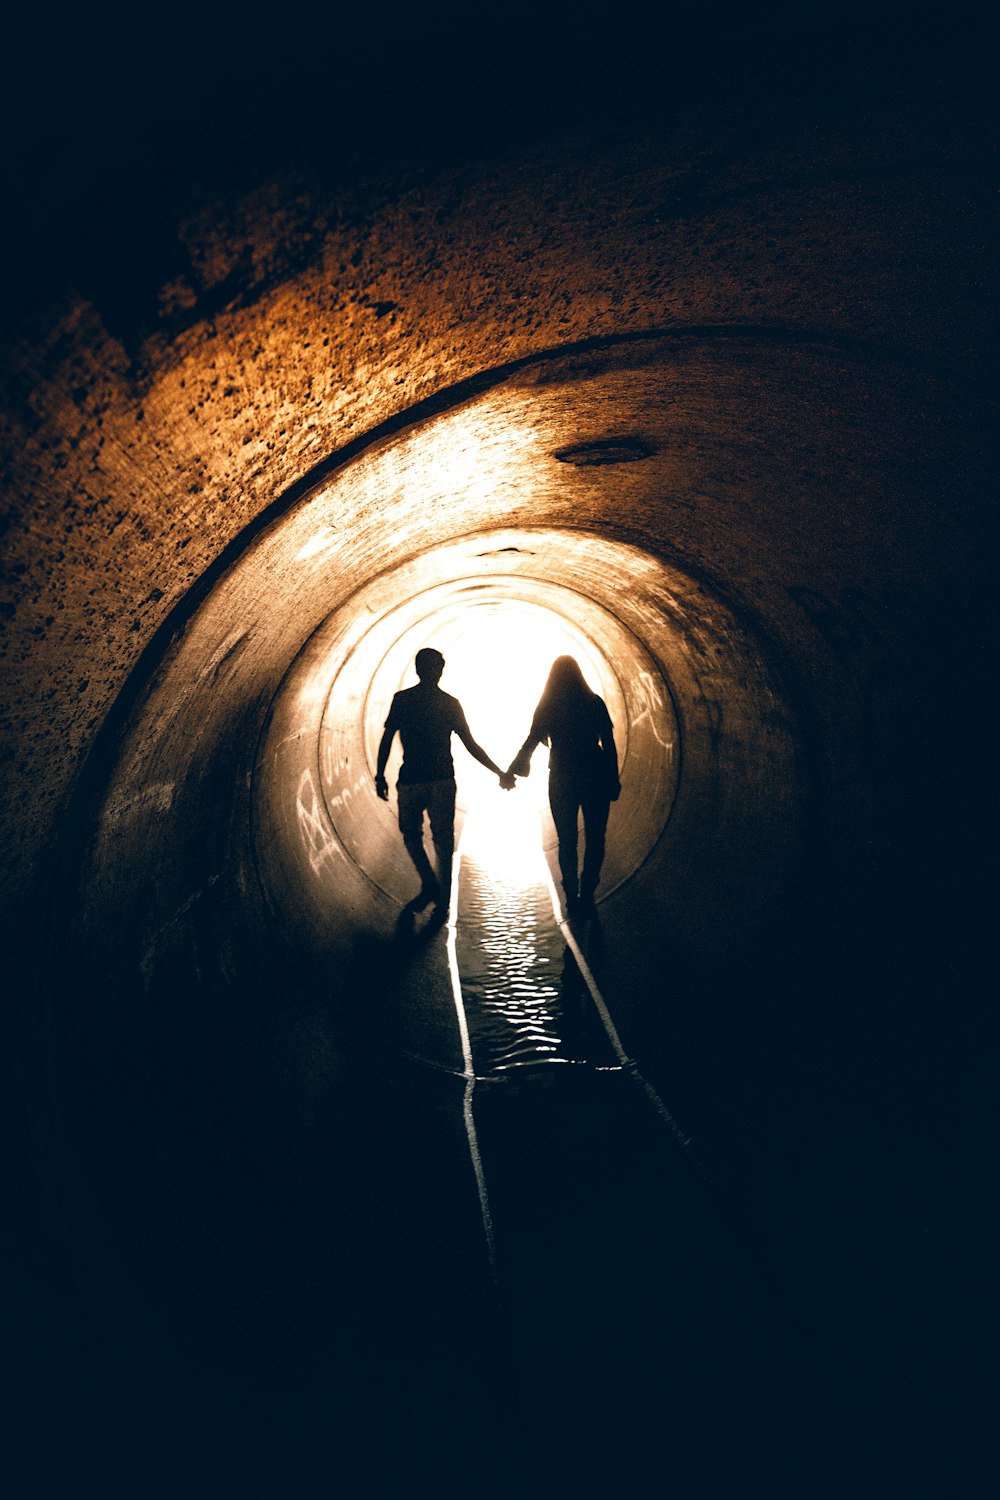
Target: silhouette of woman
x=583 y=773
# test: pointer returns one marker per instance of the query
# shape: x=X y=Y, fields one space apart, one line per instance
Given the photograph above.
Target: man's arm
x=478 y=753
x=384 y=746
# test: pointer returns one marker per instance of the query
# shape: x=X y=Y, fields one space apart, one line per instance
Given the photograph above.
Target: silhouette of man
x=426 y=718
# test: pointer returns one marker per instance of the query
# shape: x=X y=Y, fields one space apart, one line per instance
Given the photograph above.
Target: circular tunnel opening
x=238 y=833
x=330 y=853
x=319 y=829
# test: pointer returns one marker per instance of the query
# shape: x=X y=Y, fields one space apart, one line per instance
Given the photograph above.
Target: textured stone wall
x=212 y=342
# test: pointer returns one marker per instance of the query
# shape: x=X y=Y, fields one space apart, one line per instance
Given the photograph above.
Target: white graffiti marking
x=652 y=709
x=317 y=835
x=346 y=793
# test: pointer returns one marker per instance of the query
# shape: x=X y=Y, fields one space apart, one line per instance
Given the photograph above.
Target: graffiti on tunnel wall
x=330 y=766
x=320 y=843
x=649 y=696
x=347 y=792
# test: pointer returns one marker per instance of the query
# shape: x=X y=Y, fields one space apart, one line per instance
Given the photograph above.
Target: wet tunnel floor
x=325 y=1278
x=634 y=1337
x=525 y=1000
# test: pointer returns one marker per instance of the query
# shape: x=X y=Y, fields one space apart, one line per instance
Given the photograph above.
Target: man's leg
x=441 y=809
x=412 y=801
x=595 y=825
x=565 y=807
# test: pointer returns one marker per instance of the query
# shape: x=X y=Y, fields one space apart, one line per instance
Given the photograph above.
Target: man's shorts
x=437 y=799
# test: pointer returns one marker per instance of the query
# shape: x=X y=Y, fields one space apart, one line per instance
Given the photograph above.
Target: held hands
x=518 y=767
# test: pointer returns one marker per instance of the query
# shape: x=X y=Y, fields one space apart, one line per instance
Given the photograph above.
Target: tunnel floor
x=628 y=1332
x=574 y=1286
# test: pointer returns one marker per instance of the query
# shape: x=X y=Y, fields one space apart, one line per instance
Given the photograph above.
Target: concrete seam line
x=628 y=1064
x=470 y=1077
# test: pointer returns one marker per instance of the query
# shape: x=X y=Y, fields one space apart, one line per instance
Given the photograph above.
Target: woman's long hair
x=564 y=695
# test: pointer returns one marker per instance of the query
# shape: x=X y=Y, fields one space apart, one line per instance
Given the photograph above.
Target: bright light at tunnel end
x=500 y=607
x=497 y=658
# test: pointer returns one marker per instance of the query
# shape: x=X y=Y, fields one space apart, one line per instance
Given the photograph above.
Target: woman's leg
x=564 y=803
x=595 y=826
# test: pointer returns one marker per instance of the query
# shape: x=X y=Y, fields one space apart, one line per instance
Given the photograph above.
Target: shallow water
x=526 y=1005
x=510 y=956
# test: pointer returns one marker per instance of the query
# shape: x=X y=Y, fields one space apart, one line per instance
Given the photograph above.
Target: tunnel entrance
x=499 y=607
x=239 y=795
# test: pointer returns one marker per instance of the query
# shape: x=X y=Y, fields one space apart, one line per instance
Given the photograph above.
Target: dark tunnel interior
x=678 y=357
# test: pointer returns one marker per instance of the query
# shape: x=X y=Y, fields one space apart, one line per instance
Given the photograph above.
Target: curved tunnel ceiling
x=288 y=650
x=708 y=387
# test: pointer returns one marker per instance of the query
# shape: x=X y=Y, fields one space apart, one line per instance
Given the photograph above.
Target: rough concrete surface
x=284 y=315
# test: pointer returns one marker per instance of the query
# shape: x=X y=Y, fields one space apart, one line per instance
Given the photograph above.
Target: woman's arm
x=521 y=764
x=610 y=752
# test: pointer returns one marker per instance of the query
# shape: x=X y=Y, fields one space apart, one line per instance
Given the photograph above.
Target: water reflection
x=508 y=960
x=526 y=1001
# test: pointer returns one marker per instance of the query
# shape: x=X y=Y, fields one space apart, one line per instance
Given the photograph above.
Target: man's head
x=429 y=664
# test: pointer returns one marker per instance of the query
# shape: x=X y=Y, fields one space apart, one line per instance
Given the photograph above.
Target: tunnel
x=695 y=384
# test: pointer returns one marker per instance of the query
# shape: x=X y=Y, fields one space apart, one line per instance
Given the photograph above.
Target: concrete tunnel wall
x=334 y=875
x=783 y=297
